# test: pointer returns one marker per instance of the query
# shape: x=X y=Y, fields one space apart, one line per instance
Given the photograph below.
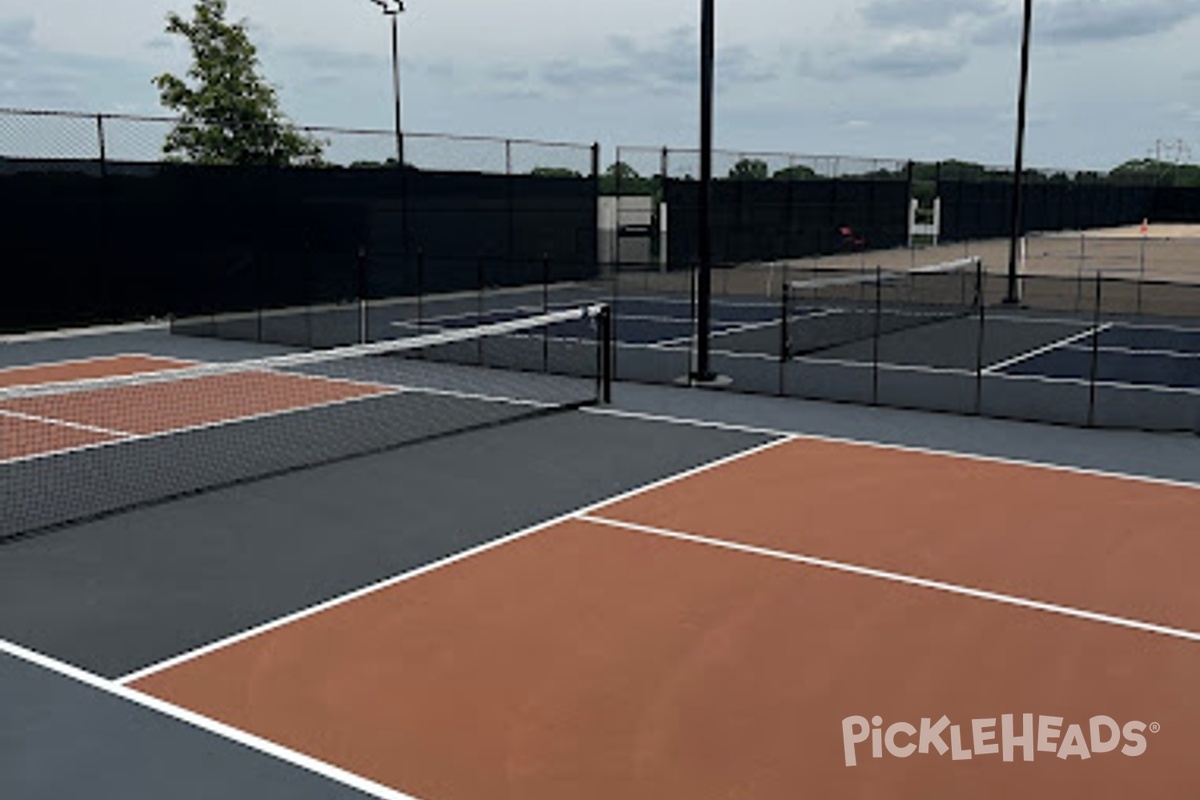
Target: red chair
x=851 y=241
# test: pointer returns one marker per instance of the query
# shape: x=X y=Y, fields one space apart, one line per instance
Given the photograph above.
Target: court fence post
x=545 y=309
x=981 y=303
x=878 y=322
x=783 y=332
x=420 y=290
x=1091 y=415
x=361 y=281
x=604 y=367
x=480 y=282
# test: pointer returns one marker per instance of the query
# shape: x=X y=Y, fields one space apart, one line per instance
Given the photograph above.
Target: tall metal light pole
x=703 y=373
x=1012 y=296
x=393 y=9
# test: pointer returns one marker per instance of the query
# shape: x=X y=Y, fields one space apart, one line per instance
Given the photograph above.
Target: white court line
x=1135 y=351
x=890 y=447
x=473 y=314
x=924 y=369
x=740 y=327
x=386 y=390
x=396 y=580
x=203 y=723
x=73 y=333
x=1055 y=345
x=62 y=423
x=907 y=580
x=380 y=390
x=90 y=360
x=139 y=437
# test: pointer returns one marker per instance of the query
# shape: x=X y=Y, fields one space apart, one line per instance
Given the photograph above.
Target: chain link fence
x=102 y=224
x=65 y=136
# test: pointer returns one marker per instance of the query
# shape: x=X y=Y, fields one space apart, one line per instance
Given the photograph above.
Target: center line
x=63 y=423
x=895 y=577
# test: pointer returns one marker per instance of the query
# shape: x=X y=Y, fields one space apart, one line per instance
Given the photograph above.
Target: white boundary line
x=72 y=333
x=382 y=390
x=62 y=423
x=739 y=327
x=1055 y=345
x=441 y=564
x=907 y=580
x=924 y=369
x=1134 y=351
x=203 y=426
x=203 y=723
x=889 y=446
x=93 y=359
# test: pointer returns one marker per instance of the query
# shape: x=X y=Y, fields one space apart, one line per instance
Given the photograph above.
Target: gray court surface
x=61 y=739
x=126 y=591
x=120 y=593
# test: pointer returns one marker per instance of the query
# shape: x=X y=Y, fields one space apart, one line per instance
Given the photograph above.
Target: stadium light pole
x=703 y=373
x=393 y=9
x=1012 y=296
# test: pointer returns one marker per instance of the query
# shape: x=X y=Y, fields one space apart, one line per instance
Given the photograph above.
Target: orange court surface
x=808 y=618
x=41 y=425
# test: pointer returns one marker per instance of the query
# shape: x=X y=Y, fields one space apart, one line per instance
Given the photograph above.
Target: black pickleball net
x=71 y=451
x=840 y=307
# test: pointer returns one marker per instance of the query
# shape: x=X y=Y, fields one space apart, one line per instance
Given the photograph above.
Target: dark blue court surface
x=1153 y=356
x=1146 y=356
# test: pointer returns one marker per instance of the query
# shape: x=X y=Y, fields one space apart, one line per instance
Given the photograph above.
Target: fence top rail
x=695 y=151
x=332 y=129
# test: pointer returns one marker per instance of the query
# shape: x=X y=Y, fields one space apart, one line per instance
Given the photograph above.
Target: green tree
x=230 y=114
x=749 y=169
x=796 y=172
x=621 y=178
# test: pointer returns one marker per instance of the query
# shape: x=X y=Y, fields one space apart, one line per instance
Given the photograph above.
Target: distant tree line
x=621 y=178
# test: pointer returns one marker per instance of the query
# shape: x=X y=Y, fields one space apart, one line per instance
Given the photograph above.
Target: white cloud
x=899 y=56
x=927 y=75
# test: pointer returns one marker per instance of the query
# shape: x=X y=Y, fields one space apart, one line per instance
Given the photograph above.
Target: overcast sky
x=922 y=79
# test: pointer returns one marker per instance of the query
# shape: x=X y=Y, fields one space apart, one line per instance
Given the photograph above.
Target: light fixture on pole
x=393 y=9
